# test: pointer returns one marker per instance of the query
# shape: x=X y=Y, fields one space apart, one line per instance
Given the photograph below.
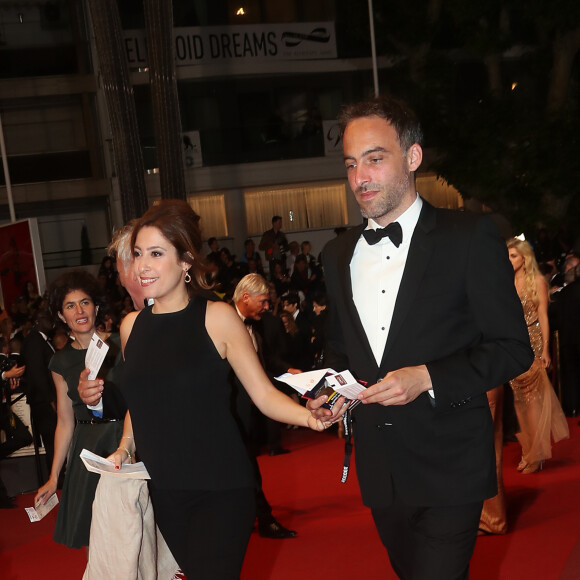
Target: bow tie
x=392 y=231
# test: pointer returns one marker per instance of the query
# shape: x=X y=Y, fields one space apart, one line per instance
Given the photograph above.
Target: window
x=302 y=207
x=438 y=192
x=212 y=210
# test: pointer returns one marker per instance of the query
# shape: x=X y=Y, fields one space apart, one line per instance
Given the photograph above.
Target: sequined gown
x=493 y=518
x=537 y=407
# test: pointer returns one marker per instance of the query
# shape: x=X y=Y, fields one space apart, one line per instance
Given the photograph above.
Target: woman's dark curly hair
x=69 y=282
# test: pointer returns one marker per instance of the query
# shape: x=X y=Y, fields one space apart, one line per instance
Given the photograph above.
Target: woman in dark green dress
x=75 y=299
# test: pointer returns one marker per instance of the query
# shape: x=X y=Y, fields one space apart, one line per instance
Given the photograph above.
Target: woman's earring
x=187 y=277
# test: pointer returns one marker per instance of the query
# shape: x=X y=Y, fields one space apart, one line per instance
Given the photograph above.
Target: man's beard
x=387 y=201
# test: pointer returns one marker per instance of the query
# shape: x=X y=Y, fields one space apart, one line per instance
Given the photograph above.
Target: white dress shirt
x=376 y=273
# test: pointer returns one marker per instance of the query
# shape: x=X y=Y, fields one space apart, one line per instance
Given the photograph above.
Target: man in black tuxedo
x=271 y=344
x=428 y=317
x=39 y=387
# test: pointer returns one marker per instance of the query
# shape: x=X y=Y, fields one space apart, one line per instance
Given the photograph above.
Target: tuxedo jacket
x=456 y=311
x=272 y=345
x=36 y=354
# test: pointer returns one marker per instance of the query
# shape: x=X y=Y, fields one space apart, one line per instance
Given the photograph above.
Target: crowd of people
x=421 y=304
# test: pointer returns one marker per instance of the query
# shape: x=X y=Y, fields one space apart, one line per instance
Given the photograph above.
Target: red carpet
x=336 y=538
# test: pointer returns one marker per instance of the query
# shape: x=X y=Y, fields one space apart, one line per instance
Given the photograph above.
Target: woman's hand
x=119 y=456
x=321 y=418
x=545 y=358
x=90 y=392
x=45 y=492
x=317 y=424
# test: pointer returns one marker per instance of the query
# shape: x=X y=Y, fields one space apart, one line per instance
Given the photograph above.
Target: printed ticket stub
x=95 y=356
x=35 y=514
x=93 y=360
x=328 y=382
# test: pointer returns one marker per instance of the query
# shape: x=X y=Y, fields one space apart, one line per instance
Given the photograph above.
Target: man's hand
x=14 y=373
x=90 y=391
x=398 y=387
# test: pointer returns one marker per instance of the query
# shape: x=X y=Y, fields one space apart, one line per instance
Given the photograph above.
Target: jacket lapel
x=417 y=260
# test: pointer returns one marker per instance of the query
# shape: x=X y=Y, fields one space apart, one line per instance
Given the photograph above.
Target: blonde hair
x=252 y=284
x=531 y=268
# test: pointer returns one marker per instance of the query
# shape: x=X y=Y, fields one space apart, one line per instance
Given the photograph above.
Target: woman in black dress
x=75 y=300
x=178 y=395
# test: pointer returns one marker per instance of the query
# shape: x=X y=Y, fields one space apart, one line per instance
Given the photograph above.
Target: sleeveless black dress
x=176 y=387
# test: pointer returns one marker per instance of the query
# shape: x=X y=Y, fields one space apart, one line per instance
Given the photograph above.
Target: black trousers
x=207 y=531
x=429 y=543
x=44 y=425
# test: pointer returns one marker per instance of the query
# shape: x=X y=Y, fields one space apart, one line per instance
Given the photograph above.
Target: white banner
x=255 y=42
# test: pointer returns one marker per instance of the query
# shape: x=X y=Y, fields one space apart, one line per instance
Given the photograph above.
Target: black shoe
x=278 y=451
x=275 y=531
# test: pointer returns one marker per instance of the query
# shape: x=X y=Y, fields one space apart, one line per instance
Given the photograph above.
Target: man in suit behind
x=250 y=300
x=428 y=317
x=38 y=385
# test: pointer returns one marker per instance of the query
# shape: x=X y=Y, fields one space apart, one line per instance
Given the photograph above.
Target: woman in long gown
x=75 y=299
x=537 y=408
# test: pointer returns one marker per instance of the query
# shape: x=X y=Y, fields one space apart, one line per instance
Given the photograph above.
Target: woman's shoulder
x=222 y=318
x=219 y=308
x=64 y=358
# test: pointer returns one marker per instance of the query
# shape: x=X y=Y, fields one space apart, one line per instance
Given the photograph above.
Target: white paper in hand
x=95 y=355
x=102 y=466
x=93 y=360
x=304 y=382
x=35 y=514
x=345 y=384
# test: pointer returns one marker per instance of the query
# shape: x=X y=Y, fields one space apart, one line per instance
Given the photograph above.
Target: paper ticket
x=37 y=513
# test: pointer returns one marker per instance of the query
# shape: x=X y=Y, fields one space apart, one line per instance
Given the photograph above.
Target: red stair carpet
x=336 y=538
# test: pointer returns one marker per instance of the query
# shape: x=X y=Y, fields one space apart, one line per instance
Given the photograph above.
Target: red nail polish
x=116 y=467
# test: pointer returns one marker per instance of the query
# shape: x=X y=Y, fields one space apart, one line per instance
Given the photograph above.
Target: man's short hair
x=291 y=298
x=253 y=284
x=394 y=111
x=276 y=218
